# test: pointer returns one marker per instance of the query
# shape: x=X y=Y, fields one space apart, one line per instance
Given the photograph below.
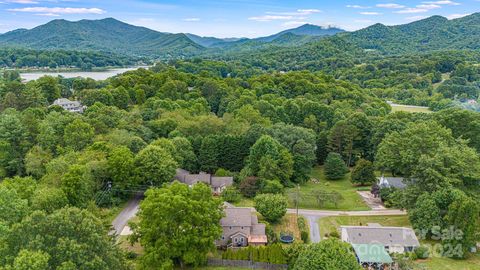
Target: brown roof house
x=241 y=228
x=217 y=183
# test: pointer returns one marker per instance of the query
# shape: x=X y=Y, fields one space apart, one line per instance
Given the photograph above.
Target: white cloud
x=23 y=1
x=269 y=18
x=370 y=13
x=456 y=16
x=390 y=5
x=191 y=19
x=443 y=2
x=357 y=7
x=47 y=14
x=59 y=10
x=412 y=10
x=428 y=6
x=308 y=11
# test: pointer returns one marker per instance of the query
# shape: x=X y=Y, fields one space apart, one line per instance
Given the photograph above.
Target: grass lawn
x=330 y=224
x=411 y=109
x=471 y=263
x=288 y=224
x=351 y=200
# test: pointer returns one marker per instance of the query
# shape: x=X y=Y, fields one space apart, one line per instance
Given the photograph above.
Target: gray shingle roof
x=221 y=181
x=237 y=216
x=387 y=236
x=395 y=182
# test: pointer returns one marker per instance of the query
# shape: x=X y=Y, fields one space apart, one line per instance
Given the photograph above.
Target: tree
x=231 y=195
x=31 y=260
x=121 y=166
x=178 y=225
x=363 y=173
x=49 y=199
x=208 y=155
x=35 y=161
x=12 y=207
x=326 y=255
x=78 y=186
x=268 y=159
x=69 y=236
x=78 y=134
x=155 y=165
x=49 y=86
x=426 y=215
x=272 y=206
x=335 y=168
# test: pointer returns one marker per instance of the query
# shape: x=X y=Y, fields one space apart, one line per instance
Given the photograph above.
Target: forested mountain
x=107 y=35
x=305 y=30
x=211 y=41
x=434 y=33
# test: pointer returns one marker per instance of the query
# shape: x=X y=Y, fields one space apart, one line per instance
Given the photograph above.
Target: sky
x=231 y=18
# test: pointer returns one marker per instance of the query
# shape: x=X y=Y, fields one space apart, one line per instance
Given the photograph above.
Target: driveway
x=130 y=210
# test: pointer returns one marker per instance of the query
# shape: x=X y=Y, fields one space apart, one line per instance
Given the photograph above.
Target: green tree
x=12 y=207
x=272 y=206
x=121 y=166
x=31 y=260
x=326 y=255
x=78 y=134
x=231 y=195
x=49 y=199
x=49 y=87
x=335 y=167
x=77 y=186
x=155 y=165
x=426 y=215
x=178 y=225
x=363 y=173
x=35 y=161
x=208 y=155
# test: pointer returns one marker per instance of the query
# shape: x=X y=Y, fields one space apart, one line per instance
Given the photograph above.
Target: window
x=223 y=237
x=235 y=240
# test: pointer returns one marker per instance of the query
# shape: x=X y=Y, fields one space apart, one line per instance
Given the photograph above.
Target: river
x=96 y=75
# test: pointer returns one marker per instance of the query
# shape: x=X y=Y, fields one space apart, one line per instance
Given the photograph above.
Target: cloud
x=357 y=7
x=23 y=1
x=370 y=13
x=47 y=14
x=444 y=2
x=191 y=19
x=456 y=16
x=59 y=10
x=269 y=18
x=308 y=11
x=428 y=6
x=390 y=5
x=412 y=10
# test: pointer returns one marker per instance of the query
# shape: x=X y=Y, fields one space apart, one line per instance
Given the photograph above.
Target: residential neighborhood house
x=391 y=182
x=217 y=183
x=69 y=105
x=393 y=239
x=241 y=228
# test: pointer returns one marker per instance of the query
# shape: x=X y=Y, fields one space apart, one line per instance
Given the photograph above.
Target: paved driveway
x=120 y=222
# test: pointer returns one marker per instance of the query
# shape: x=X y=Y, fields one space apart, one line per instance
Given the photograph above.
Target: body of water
x=96 y=75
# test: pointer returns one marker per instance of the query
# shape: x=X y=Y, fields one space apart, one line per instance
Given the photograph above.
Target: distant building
x=217 y=183
x=391 y=182
x=393 y=239
x=69 y=105
x=241 y=228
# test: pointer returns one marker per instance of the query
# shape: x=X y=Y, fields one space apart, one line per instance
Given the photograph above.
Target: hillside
x=305 y=30
x=107 y=35
x=433 y=33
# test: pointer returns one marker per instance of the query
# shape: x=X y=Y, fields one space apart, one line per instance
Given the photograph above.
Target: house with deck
x=69 y=105
x=241 y=228
x=217 y=183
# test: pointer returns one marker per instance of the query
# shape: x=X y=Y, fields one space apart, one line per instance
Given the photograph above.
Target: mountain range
x=113 y=36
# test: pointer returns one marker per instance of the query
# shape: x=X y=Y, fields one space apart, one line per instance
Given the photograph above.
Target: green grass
x=403 y=108
x=351 y=200
x=330 y=224
x=471 y=263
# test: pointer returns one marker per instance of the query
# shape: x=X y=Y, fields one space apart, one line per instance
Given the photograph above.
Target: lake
x=96 y=75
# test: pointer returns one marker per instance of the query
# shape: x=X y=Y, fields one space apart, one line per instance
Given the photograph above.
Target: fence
x=246 y=264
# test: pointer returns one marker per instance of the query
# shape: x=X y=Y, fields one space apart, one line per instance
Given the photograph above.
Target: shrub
x=304 y=235
x=272 y=206
x=272 y=187
x=422 y=252
x=249 y=187
x=231 y=195
x=363 y=173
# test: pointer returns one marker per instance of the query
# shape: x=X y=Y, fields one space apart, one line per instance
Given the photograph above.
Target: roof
x=371 y=253
x=64 y=101
x=217 y=181
x=395 y=182
x=257 y=239
x=191 y=179
x=386 y=236
x=258 y=229
x=237 y=217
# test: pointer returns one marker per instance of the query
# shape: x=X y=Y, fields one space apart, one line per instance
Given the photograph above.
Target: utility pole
x=298 y=197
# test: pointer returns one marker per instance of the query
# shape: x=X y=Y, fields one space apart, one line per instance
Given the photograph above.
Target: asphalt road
x=127 y=213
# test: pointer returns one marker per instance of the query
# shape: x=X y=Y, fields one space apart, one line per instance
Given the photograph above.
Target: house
x=391 y=182
x=393 y=239
x=241 y=228
x=372 y=256
x=69 y=105
x=217 y=183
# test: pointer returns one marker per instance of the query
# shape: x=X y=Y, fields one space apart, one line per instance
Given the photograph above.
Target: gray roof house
x=241 y=228
x=394 y=239
x=69 y=105
x=218 y=184
x=391 y=182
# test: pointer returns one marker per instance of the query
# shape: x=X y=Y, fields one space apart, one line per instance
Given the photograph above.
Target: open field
x=472 y=263
x=351 y=200
x=330 y=224
x=289 y=225
x=411 y=109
